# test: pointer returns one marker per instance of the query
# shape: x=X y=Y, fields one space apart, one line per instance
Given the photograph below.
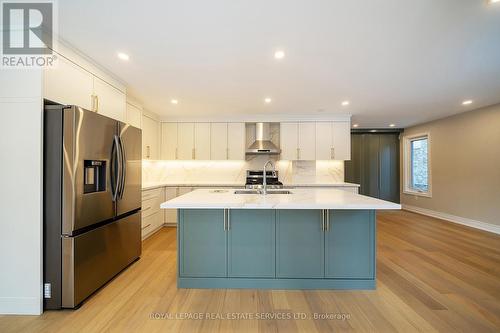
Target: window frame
x=407 y=161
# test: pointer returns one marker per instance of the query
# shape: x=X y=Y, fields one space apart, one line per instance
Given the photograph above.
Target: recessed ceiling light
x=467 y=102
x=345 y=103
x=174 y=101
x=123 y=56
x=268 y=100
x=280 y=54
x=355 y=125
x=392 y=125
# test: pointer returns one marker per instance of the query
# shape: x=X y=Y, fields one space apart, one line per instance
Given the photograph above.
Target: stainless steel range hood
x=262 y=144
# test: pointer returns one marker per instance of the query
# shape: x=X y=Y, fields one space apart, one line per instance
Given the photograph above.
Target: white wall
x=20 y=191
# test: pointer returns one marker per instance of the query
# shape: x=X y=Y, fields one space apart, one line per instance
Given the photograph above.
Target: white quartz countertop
x=149 y=186
x=299 y=199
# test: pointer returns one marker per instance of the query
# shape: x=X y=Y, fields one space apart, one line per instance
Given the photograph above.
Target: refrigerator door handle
x=123 y=168
x=116 y=172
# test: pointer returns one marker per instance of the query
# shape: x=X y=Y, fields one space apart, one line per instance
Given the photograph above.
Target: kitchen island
x=298 y=239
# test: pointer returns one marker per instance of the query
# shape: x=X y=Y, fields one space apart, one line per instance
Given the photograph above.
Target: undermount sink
x=262 y=192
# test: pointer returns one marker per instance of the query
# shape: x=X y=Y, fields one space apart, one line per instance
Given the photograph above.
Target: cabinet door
x=170 y=214
x=134 y=116
x=68 y=83
x=185 y=141
x=218 y=141
x=324 y=141
x=203 y=241
x=149 y=138
x=300 y=249
x=370 y=165
x=289 y=141
x=341 y=140
x=110 y=102
x=251 y=243
x=202 y=141
x=169 y=141
x=236 y=141
x=350 y=244
x=389 y=167
x=307 y=141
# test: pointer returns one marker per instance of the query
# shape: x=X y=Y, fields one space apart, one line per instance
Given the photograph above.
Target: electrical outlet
x=47 y=290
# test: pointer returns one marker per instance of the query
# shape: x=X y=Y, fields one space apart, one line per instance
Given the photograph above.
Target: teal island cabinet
x=276 y=248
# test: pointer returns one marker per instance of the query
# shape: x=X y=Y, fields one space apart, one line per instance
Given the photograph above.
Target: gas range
x=255 y=180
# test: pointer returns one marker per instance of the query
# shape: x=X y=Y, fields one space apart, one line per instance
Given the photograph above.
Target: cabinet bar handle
x=322 y=220
x=148 y=151
x=96 y=103
x=327 y=227
x=147 y=225
x=225 y=220
x=146 y=209
x=332 y=153
x=228 y=219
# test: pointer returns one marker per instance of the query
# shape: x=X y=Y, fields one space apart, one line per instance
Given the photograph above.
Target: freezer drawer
x=91 y=259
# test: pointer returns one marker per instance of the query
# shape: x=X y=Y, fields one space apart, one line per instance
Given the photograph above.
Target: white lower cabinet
x=171 y=214
x=152 y=216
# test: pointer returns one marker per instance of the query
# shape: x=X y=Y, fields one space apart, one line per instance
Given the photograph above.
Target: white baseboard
x=455 y=219
x=20 y=306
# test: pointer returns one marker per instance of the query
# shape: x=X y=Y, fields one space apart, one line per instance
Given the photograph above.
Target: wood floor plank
x=432 y=276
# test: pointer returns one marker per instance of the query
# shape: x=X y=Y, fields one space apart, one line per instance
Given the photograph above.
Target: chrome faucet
x=264 y=180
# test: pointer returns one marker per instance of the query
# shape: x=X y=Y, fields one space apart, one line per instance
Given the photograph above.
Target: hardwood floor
x=432 y=276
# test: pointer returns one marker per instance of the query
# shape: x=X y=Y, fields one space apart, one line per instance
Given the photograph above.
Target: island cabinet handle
x=228 y=220
x=322 y=220
x=226 y=224
x=327 y=226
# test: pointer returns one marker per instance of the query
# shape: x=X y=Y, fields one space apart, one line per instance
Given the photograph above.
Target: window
x=417 y=165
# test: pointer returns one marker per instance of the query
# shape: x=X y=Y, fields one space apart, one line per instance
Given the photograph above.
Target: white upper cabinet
x=236 y=137
x=202 y=141
x=298 y=141
x=77 y=82
x=289 y=141
x=150 y=138
x=68 y=83
x=333 y=140
x=168 y=141
x=324 y=141
x=307 y=141
x=108 y=100
x=185 y=141
x=342 y=140
x=134 y=115
x=218 y=141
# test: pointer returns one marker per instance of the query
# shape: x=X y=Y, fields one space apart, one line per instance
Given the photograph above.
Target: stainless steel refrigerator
x=92 y=202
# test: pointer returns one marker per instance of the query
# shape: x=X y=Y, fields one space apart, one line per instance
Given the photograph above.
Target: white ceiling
x=397 y=61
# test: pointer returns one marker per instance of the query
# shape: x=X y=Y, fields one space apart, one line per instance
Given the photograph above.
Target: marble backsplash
x=202 y=172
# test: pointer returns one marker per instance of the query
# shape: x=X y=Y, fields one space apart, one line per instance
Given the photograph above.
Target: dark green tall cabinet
x=375 y=164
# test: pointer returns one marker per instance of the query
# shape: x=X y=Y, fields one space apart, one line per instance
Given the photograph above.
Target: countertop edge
x=240 y=185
